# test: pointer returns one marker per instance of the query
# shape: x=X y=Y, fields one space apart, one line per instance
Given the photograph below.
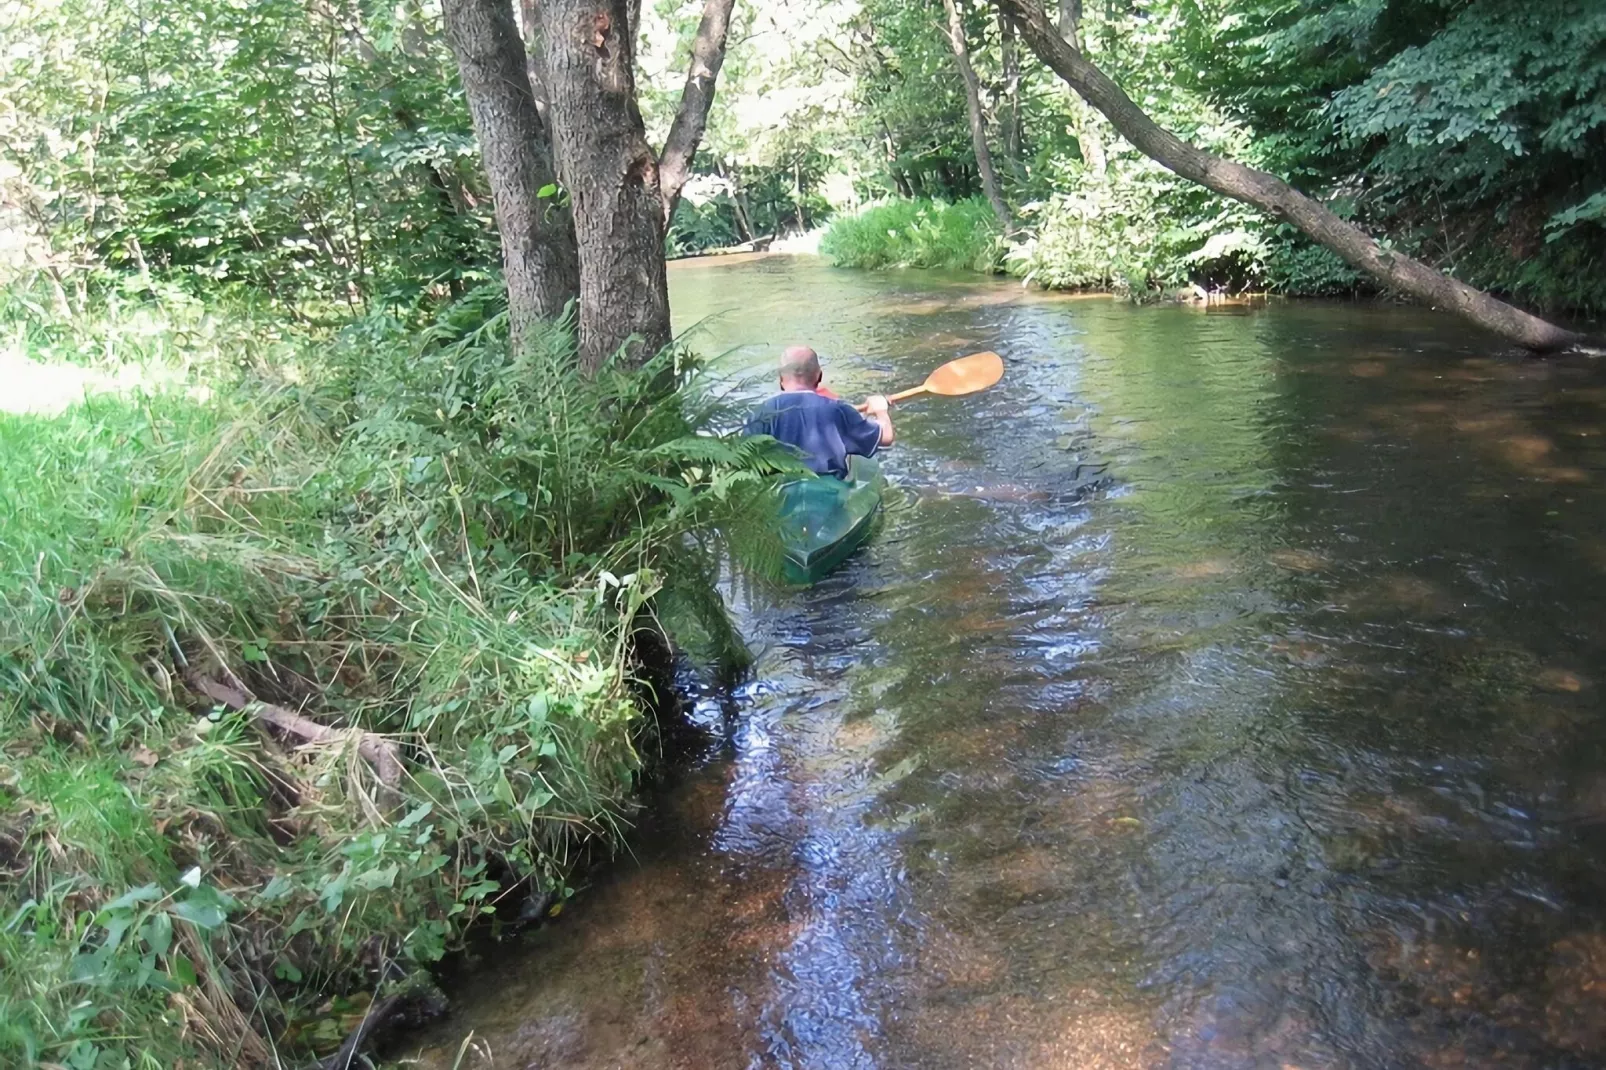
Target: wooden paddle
x=967 y=375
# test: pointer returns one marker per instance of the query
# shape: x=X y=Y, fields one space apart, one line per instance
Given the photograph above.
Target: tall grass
x=962 y=236
x=426 y=539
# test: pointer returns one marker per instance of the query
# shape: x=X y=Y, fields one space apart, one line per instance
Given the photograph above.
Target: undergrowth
x=421 y=541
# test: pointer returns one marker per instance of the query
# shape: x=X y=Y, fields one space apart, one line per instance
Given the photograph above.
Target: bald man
x=824 y=430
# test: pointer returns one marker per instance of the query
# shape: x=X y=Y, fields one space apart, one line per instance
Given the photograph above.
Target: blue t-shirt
x=822 y=429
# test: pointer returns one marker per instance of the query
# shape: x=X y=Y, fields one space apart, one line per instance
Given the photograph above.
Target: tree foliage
x=313 y=150
x=1464 y=132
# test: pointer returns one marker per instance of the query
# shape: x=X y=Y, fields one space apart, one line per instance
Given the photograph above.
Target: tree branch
x=379 y=752
x=680 y=147
x=1273 y=195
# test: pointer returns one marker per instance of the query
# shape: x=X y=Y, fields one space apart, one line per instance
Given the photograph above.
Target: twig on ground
x=379 y=752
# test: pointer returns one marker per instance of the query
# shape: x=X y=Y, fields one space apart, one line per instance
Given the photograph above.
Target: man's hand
x=875 y=407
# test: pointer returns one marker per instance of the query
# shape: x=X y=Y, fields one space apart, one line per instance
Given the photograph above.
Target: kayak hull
x=824 y=520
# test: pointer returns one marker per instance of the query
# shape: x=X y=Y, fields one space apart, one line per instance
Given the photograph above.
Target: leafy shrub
x=962 y=236
x=1297 y=265
x=1135 y=228
x=426 y=539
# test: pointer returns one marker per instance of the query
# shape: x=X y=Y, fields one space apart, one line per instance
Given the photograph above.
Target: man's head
x=800 y=368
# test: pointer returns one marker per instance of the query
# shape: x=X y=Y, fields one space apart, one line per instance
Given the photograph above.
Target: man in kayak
x=822 y=428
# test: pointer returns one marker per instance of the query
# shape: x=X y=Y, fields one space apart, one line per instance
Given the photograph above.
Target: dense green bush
x=425 y=540
x=962 y=235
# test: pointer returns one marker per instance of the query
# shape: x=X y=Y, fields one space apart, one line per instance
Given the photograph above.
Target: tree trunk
x=612 y=178
x=978 y=124
x=538 y=238
x=1010 y=56
x=1083 y=118
x=1271 y=194
x=738 y=199
x=1071 y=22
x=535 y=54
x=707 y=56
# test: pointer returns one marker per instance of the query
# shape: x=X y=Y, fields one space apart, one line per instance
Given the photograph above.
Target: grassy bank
x=432 y=552
x=1137 y=229
x=961 y=236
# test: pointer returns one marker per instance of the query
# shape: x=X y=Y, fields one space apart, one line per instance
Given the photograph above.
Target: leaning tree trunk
x=611 y=175
x=1271 y=194
x=978 y=123
x=538 y=239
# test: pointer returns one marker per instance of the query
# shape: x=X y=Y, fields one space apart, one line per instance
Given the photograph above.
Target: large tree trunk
x=1271 y=194
x=978 y=122
x=612 y=178
x=538 y=239
x=707 y=56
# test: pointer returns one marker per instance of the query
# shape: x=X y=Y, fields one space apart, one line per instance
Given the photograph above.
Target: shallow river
x=1224 y=689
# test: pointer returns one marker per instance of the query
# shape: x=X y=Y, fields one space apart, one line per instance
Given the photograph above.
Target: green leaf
x=415 y=815
x=374 y=879
x=206 y=916
x=182 y=970
x=145 y=893
x=333 y=894
x=157 y=932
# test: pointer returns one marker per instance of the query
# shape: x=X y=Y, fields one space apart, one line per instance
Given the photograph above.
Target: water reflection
x=1220 y=692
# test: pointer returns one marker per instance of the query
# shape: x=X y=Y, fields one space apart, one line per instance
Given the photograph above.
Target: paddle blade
x=966 y=375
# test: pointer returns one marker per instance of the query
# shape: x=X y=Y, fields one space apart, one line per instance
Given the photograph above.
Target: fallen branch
x=379 y=753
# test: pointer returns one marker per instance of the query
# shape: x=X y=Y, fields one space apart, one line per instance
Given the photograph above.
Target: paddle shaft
x=963 y=375
x=902 y=395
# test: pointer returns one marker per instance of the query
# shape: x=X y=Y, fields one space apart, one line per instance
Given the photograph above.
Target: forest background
x=314 y=487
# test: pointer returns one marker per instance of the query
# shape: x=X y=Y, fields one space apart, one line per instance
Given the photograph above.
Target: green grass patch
x=417 y=540
x=961 y=236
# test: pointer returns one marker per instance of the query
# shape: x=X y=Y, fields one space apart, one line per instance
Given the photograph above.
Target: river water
x=1223 y=689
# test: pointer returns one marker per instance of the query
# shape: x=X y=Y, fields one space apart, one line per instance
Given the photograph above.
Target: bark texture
x=611 y=175
x=1271 y=194
x=978 y=122
x=691 y=120
x=538 y=240
x=535 y=53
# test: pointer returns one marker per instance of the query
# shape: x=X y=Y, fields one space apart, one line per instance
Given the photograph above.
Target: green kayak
x=823 y=520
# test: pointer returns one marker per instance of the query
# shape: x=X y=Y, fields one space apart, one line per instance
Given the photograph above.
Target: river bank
x=299 y=680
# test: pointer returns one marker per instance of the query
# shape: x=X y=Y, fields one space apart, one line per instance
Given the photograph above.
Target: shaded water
x=1223 y=690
